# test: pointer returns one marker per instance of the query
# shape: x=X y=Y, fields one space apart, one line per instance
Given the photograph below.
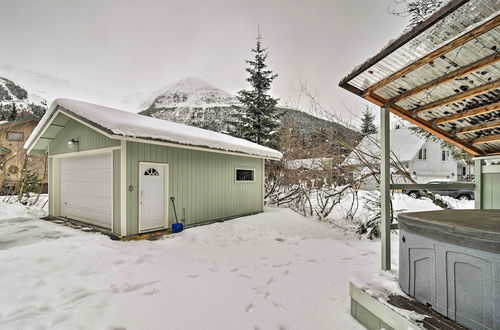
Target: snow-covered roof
x=309 y=163
x=404 y=145
x=118 y=123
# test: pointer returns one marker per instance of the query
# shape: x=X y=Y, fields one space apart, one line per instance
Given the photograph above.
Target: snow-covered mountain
x=190 y=92
x=196 y=102
x=15 y=101
x=49 y=87
x=193 y=101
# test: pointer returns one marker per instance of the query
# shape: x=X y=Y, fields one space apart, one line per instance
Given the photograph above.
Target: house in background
x=424 y=160
x=13 y=157
x=117 y=170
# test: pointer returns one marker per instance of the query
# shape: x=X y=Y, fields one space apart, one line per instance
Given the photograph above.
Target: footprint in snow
x=127 y=287
x=278 y=306
x=271 y=280
x=234 y=270
x=151 y=292
x=39 y=283
x=249 y=308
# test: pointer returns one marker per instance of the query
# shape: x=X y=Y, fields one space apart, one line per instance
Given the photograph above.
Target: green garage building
x=117 y=170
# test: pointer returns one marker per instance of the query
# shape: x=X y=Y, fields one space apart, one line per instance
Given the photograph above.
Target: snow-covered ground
x=276 y=270
x=401 y=203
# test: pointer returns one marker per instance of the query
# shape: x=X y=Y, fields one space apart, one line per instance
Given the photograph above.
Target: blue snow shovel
x=177 y=227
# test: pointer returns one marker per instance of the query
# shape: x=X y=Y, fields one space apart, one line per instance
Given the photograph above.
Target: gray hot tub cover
x=478 y=229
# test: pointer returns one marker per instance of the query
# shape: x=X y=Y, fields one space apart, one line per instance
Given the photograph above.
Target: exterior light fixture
x=72 y=144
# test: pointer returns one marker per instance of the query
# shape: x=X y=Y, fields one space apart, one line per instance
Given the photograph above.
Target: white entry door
x=153 y=183
x=86 y=191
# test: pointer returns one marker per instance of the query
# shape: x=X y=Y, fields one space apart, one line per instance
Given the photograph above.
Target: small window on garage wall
x=245 y=175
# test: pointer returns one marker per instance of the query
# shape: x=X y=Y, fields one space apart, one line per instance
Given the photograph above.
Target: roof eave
x=402 y=40
x=112 y=135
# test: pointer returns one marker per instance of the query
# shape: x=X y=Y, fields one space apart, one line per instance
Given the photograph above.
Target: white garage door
x=86 y=189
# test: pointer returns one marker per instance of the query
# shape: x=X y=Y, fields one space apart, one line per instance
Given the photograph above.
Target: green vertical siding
x=87 y=138
x=490 y=186
x=203 y=183
x=369 y=320
x=116 y=192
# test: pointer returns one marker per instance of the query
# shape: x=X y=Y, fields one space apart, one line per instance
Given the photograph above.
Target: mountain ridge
x=194 y=101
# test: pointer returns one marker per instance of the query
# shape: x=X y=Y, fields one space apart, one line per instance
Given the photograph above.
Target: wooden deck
x=433 y=321
x=375 y=314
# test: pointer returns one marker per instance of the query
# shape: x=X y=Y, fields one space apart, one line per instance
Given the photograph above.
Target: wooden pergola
x=443 y=76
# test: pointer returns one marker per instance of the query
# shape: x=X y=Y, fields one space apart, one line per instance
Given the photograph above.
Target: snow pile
x=134 y=125
x=19 y=210
x=190 y=92
x=381 y=285
x=401 y=203
x=276 y=270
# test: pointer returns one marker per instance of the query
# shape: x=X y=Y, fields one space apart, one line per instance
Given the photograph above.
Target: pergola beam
x=484 y=62
x=478 y=127
x=468 y=113
x=486 y=139
x=422 y=123
x=459 y=97
x=474 y=33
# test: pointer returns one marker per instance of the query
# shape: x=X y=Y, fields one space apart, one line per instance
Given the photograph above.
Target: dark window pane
x=244 y=175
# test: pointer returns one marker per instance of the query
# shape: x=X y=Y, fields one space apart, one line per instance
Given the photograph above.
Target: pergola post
x=478 y=175
x=385 y=193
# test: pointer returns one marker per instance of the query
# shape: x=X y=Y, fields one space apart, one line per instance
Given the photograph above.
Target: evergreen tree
x=260 y=120
x=13 y=112
x=367 y=126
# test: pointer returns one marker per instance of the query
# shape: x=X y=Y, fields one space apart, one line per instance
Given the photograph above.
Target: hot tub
x=450 y=260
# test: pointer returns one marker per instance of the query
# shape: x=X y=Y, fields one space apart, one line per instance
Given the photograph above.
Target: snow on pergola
x=443 y=76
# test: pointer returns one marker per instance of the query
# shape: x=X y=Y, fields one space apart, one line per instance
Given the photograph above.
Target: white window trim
x=446 y=155
x=245 y=169
x=424 y=154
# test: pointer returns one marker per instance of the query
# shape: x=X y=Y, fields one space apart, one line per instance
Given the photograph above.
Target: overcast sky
x=126 y=45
